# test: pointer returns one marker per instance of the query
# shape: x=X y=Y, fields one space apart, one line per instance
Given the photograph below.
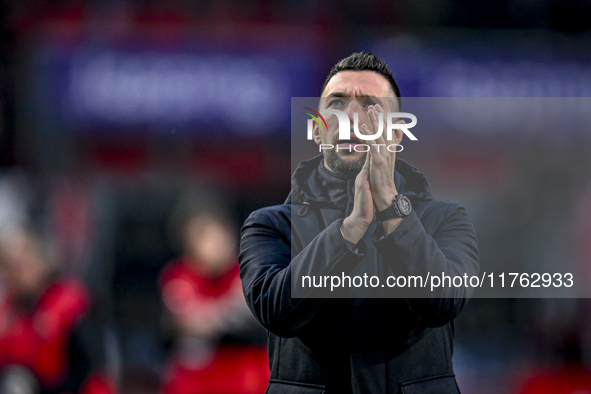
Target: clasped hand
x=374 y=185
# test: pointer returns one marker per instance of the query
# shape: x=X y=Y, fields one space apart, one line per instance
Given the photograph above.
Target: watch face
x=404 y=205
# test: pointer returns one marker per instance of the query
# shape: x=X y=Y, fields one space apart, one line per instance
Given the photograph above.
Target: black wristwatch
x=400 y=208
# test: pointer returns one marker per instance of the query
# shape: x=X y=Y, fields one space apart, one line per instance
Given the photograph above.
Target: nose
x=353 y=107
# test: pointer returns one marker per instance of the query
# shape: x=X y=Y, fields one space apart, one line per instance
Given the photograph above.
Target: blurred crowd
x=54 y=332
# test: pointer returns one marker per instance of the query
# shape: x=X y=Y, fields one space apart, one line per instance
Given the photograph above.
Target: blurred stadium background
x=111 y=111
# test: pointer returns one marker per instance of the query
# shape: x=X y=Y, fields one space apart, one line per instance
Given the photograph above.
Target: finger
x=373 y=144
x=367 y=164
x=378 y=149
x=382 y=137
x=372 y=114
x=364 y=173
x=379 y=112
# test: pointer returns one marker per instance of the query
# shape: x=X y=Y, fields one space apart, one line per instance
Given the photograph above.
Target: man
x=49 y=343
x=214 y=350
x=353 y=214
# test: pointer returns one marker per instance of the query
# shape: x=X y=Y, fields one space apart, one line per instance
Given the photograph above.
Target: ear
x=316 y=134
x=398 y=133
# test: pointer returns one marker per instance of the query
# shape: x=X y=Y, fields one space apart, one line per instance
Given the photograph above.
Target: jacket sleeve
x=267 y=269
x=451 y=251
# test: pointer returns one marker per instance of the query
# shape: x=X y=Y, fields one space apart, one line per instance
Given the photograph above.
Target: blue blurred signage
x=493 y=64
x=230 y=92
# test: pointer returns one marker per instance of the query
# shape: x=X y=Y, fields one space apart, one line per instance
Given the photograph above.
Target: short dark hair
x=364 y=61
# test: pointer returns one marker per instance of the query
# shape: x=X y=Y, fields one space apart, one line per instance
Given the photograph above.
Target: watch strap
x=392 y=211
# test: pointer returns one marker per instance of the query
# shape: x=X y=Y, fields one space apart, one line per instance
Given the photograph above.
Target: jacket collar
x=314 y=184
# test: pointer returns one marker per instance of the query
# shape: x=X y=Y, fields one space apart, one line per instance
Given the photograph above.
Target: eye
x=368 y=103
x=335 y=103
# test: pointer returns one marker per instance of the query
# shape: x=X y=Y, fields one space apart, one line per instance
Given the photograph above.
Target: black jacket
x=356 y=345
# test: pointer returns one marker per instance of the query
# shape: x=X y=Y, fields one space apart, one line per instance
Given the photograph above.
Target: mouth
x=353 y=140
x=349 y=145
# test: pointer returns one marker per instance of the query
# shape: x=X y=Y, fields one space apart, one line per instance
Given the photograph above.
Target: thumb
x=364 y=173
x=367 y=164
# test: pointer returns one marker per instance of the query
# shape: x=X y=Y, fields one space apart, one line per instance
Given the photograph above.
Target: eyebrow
x=340 y=93
x=343 y=93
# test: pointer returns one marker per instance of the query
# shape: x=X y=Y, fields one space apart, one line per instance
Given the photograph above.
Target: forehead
x=358 y=83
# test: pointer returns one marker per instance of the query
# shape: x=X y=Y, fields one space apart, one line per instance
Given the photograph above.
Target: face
x=211 y=244
x=21 y=264
x=350 y=92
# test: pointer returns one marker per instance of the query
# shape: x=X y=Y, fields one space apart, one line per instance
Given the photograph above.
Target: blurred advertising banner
x=236 y=92
x=490 y=63
x=176 y=88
